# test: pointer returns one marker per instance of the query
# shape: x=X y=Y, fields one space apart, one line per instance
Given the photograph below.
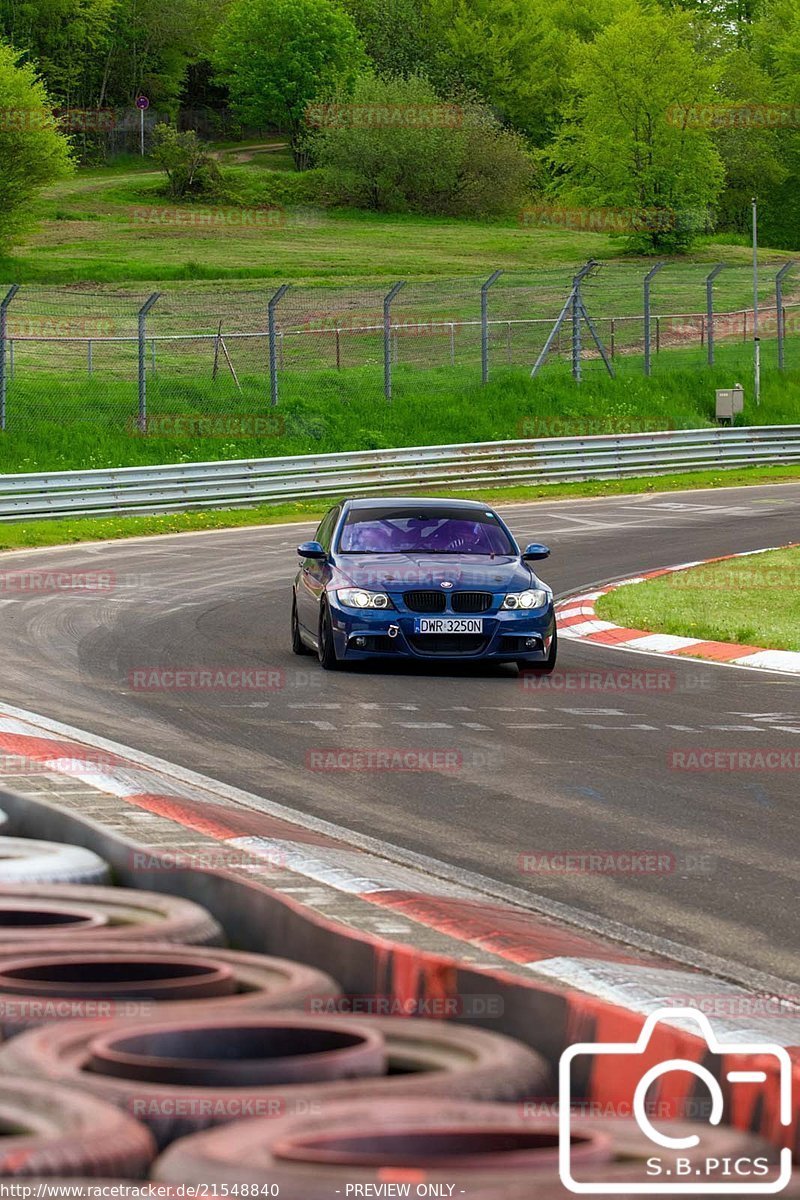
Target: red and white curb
x=578 y=620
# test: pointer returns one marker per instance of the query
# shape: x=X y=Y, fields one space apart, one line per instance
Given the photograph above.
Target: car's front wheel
x=327 y=651
x=298 y=645
x=545 y=668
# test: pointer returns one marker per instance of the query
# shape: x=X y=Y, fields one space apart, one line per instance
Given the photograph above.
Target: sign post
x=142 y=103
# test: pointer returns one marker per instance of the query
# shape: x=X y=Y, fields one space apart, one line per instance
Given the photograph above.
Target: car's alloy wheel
x=298 y=645
x=327 y=650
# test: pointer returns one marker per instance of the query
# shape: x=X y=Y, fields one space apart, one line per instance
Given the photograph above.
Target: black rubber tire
x=298 y=645
x=314 y=1156
x=545 y=668
x=67 y=1132
x=255 y=983
x=494 y=1151
x=117 y=914
x=25 y=860
x=425 y=1058
x=327 y=650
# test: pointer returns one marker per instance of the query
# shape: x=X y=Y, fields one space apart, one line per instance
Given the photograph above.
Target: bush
x=395 y=146
x=190 y=170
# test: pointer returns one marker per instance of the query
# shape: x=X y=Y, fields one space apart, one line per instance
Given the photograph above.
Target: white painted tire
x=3 y=819
x=23 y=860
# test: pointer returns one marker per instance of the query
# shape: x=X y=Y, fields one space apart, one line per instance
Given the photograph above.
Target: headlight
x=358 y=598
x=532 y=599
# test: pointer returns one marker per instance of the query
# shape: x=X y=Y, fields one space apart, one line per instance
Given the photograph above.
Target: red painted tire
x=490 y=1151
x=148 y=981
x=425 y=1058
x=313 y=1157
x=34 y=911
x=60 y=1131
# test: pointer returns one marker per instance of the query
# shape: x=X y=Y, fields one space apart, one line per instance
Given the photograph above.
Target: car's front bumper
x=508 y=636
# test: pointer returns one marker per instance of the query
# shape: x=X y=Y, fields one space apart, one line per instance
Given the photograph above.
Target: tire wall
x=543 y=1016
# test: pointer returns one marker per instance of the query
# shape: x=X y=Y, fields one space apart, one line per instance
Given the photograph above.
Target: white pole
x=756 y=341
x=141 y=130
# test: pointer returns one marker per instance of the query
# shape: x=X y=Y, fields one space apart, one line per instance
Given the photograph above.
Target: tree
x=32 y=150
x=515 y=55
x=187 y=164
x=276 y=56
x=407 y=150
x=628 y=140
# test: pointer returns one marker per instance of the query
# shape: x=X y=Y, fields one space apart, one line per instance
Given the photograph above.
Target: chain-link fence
x=134 y=358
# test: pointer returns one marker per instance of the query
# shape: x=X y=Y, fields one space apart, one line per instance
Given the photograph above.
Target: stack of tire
x=135 y=1045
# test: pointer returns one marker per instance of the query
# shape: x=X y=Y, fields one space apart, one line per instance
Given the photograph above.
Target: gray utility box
x=730 y=401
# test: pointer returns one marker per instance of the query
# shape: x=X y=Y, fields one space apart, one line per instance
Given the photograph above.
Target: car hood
x=403 y=572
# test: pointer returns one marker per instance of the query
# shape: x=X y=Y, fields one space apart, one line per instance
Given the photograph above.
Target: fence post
x=338 y=352
x=387 y=339
x=485 y=324
x=781 y=315
x=576 y=318
x=89 y=363
x=452 y=344
x=143 y=311
x=613 y=336
x=648 y=279
x=710 y=309
x=9 y=296
x=273 y=358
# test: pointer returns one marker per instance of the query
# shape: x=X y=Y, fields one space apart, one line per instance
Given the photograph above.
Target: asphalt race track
x=542 y=771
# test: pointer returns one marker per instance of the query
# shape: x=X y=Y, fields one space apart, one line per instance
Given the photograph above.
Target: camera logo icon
x=682 y=1167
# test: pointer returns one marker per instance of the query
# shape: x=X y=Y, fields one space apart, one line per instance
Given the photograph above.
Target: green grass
x=71 y=422
x=68 y=530
x=85 y=231
x=754 y=601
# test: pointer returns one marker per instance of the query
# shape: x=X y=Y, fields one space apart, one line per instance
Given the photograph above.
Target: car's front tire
x=327 y=651
x=545 y=668
x=298 y=645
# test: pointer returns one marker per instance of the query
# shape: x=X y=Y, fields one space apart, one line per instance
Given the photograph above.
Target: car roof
x=413 y=502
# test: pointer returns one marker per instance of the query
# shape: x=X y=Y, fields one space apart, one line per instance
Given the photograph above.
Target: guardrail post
x=712 y=275
x=648 y=279
x=143 y=311
x=9 y=296
x=387 y=339
x=273 y=357
x=485 y=324
x=779 y=278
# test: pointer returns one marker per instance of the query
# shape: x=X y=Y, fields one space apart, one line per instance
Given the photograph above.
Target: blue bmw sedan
x=426 y=579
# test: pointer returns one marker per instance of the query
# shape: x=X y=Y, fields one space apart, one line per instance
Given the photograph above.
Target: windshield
x=436 y=531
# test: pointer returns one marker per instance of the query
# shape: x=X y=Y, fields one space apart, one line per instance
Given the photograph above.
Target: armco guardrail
x=471 y=465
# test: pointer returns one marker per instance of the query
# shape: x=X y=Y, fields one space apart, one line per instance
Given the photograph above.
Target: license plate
x=448 y=625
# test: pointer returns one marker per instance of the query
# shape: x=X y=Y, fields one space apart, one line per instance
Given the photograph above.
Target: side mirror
x=535 y=551
x=311 y=550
